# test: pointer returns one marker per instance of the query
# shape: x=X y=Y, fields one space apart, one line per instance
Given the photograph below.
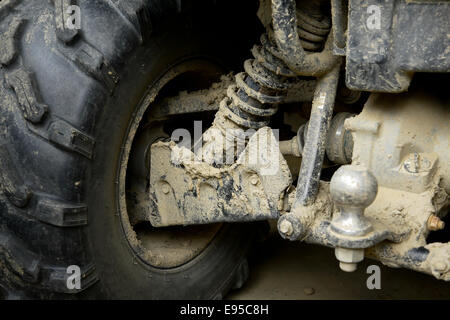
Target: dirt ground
x=281 y=269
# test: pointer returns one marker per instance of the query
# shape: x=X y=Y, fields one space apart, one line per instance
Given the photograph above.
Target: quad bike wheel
x=74 y=143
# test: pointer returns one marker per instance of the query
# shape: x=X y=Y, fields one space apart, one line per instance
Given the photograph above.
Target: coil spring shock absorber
x=253 y=99
x=312 y=30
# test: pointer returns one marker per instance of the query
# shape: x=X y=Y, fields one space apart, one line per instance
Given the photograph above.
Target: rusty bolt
x=286 y=228
x=434 y=223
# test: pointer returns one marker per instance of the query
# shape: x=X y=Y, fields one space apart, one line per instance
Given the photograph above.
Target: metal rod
x=315 y=144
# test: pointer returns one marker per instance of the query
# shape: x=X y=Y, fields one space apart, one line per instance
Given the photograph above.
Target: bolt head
x=254 y=180
x=286 y=228
x=165 y=189
x=290 y=227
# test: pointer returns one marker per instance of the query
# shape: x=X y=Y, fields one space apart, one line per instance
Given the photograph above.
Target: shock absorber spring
x=312 y=30
x=253 y=99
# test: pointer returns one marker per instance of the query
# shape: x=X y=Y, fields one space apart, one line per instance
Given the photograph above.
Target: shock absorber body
x=253 y=99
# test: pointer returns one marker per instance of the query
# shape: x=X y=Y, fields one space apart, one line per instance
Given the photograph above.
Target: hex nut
x=289 y=227
x=349 y=255
x=434 y=223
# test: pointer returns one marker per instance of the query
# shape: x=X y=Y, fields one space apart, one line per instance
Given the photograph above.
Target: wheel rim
x=163 y=248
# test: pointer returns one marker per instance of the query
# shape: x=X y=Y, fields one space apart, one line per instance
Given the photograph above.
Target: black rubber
x=66 y=99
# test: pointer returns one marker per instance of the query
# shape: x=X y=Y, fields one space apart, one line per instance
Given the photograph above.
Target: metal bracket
x=185 y=191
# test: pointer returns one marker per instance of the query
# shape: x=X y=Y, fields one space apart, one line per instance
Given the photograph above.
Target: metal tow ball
x=353 y=189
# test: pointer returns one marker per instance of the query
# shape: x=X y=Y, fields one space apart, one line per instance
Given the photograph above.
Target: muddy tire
x=67 y=99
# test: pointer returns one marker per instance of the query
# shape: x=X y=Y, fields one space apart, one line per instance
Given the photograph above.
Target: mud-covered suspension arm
x=315 y=144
